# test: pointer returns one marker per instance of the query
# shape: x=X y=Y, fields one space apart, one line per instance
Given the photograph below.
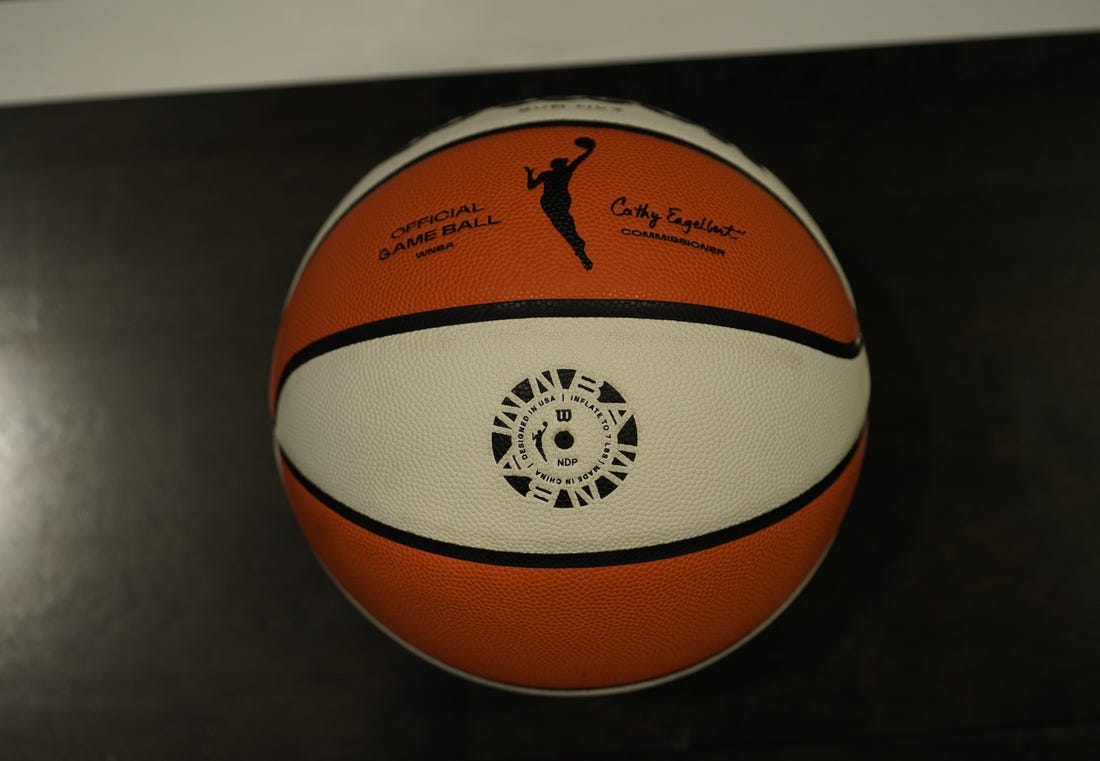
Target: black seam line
x=576 y=559
x=615 y=308
x=581 y=123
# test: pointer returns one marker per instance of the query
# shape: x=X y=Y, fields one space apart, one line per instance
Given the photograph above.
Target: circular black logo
x=564 y=438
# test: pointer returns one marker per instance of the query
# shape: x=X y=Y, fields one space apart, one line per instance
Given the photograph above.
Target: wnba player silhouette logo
x=556 y=200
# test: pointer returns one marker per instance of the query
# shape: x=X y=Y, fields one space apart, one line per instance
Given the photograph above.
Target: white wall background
x=69 y=49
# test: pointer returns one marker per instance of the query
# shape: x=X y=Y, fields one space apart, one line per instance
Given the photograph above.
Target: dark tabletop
x=157 y=600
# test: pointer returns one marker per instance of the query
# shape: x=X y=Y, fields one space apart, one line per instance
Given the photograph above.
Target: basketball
x=569 y=397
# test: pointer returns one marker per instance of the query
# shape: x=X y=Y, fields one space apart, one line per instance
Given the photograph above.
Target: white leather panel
x=731 y=424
